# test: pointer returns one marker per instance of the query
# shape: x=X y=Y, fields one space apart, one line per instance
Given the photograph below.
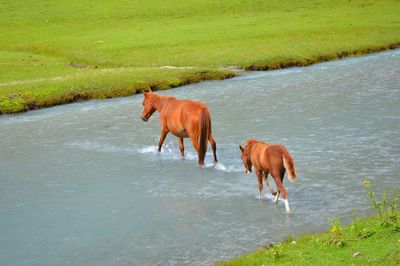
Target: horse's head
x=246 y=158
x=148 y=105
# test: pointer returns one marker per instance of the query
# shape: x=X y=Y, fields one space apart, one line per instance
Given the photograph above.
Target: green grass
x=381 y=247
x=97 y=84
x=373 y=240
x=40 y=40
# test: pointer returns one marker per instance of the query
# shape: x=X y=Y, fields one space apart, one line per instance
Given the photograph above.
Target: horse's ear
x=241 y=148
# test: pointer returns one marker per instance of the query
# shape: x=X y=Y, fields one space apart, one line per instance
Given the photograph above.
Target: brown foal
x=268 y=158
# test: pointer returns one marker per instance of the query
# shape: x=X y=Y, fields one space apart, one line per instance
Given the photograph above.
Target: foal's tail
x=288 y=163
x=205 y=124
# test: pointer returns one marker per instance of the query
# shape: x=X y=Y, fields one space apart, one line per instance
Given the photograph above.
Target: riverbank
x=56 y=53
x=25 y=96
x=366 y=241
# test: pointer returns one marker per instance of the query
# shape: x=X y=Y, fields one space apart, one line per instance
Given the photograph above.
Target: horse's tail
x=288 y=163
x=205 y=124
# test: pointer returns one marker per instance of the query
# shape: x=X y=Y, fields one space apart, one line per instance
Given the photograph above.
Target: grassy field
x=53 y=52
x=366 y=241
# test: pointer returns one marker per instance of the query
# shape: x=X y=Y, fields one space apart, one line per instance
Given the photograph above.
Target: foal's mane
x=250 y=142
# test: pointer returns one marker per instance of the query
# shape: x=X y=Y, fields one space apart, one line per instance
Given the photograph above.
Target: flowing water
x=83 y=184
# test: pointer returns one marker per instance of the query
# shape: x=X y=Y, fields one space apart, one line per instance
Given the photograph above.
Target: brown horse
x=268 y=158
x=184 y=119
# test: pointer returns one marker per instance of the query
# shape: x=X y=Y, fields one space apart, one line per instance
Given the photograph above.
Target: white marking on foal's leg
x=276 y=197
x=287 y=205
x=260 y=193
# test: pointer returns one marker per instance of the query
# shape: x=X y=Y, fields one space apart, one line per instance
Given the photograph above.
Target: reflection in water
x=84 y=183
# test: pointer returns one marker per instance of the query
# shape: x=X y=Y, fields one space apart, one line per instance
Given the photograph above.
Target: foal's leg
x=282 y=189
x=259 y=175
x=277 y=196
x=268 y=185
x=181 y=147
x=275 y=200
x=281 y=175
x=164 y=133
x=214 y=147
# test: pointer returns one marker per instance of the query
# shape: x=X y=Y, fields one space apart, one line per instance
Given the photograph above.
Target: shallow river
x=82 y=184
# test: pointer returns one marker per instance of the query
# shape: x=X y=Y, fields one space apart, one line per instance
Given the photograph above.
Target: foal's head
x=246 y=154
x=148 y=105
x=246 y=158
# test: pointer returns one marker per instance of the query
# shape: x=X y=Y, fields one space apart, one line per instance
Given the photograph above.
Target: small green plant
x=276 y=251
x=356 y=228
x=360 y=229
x=337 y=234
x=386 y=209
x=316 y=241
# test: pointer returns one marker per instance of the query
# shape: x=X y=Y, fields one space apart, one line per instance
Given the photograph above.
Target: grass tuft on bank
x=48 y=47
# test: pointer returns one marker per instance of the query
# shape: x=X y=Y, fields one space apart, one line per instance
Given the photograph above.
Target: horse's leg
x=196 y=147
x=181 y=147
x=164 y=133
x=282 y=189
x=259 y=175
x=214 y=147
x=268 y=185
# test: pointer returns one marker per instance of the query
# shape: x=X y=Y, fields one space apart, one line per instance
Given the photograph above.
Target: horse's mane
x=165 y=97
x=158 y=100
x=160 y=96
